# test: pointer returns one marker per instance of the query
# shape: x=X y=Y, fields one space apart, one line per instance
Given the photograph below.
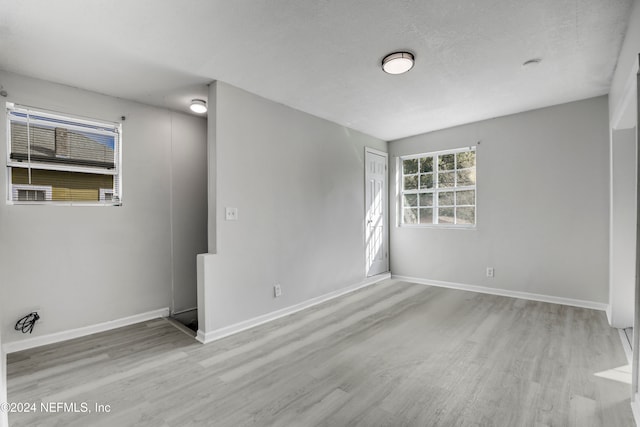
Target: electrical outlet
x=231 y=214
x=489 y=271
x=277 y=290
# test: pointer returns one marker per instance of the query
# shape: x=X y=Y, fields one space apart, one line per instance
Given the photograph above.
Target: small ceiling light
x=397 y=62
x=198 y=106
x=532 y=62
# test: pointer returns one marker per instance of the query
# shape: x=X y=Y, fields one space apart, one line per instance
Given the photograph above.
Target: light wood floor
x=394 y=354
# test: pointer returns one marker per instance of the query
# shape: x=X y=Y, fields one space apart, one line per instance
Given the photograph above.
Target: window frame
x=116 y=171
x=48 y=192
x=435 y=190
x=103 y=194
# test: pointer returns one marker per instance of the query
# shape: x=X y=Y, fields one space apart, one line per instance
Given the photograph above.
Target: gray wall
x=4 y=420
x=625 y=73
x=87 y=265
x=542 y=207
x=189 y=202
x=298 y=184
x=622 y=261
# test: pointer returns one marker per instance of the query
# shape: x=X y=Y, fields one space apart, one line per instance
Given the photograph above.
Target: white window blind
x=76 y=160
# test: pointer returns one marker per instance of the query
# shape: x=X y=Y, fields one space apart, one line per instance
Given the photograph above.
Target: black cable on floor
x=27 y=323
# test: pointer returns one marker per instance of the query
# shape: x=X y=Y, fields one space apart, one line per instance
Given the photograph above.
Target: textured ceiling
x=323 y=56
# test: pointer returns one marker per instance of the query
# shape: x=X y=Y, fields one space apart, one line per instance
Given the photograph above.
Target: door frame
x=635 y=355
x=385 y=207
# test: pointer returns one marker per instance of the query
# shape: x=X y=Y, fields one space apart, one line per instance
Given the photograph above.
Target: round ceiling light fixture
x=198 y=106
x=398 y=62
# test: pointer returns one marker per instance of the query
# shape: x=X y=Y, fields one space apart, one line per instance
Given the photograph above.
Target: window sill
x=440 y=227
x=50 y=203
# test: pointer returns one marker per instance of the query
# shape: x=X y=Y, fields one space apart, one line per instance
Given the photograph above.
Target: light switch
x=231 y=214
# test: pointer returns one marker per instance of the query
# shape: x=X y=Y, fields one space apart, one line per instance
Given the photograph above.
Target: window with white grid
x=439 y=189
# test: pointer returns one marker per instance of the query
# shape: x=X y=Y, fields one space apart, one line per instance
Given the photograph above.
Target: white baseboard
x=217 y=334
x=4 y=419
x=507 y=293
x=635 y=408
x=609 y=315
x=201 y=336
x=185 y=310
x=625 y=345
x=12 y=347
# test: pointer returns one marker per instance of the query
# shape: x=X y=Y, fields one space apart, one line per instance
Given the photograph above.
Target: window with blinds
x=54 y=158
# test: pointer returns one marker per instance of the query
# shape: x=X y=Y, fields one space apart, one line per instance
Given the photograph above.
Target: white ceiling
x=323 y=56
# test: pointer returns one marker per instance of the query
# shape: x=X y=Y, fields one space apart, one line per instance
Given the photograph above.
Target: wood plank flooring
x=393 y=354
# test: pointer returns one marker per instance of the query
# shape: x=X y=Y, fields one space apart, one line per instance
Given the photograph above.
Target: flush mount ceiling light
x=397 y=62
x=198 y=106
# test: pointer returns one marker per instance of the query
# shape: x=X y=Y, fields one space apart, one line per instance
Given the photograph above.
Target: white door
x=376 y=235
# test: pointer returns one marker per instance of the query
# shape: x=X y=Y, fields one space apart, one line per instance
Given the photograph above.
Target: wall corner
x=212 y=169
